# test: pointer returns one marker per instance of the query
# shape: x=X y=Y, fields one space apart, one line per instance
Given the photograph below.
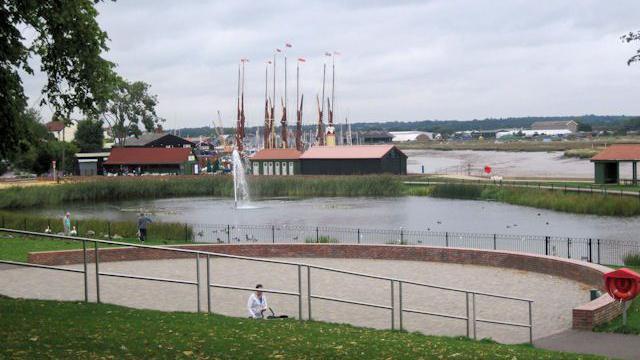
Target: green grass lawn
x=633 y=316
x=17 y=248
x=49 y=329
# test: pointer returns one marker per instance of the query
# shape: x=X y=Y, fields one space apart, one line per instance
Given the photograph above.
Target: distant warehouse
x=352 y=160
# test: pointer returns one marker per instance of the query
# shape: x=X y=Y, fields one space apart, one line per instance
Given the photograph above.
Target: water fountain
x=240 y=187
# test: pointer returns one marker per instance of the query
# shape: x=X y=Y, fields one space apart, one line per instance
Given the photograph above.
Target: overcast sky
x=400 y=60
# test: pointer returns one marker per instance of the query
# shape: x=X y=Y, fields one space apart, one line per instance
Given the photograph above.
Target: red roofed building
x=143 y=160
x=276 y=162
x=607 y=163
x=352 y=160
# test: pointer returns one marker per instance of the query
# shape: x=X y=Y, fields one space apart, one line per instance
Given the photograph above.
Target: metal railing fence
x=395 y=308
x=601 y=251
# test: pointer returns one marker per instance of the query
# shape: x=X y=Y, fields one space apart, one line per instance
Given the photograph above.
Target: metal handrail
x=248 y=258
x=17 y=263
x=269 y=291
x=310 y=296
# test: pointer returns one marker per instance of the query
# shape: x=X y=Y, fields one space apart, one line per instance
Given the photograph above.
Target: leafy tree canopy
x=89 y=135
x=131 y=106
x=69 y=44
x=629 y=38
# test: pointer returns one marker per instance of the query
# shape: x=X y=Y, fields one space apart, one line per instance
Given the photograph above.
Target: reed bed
x=127 y=188
x=578 y=203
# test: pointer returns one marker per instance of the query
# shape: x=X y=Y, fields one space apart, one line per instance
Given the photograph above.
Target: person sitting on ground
x=257 y=303
x=143 y=221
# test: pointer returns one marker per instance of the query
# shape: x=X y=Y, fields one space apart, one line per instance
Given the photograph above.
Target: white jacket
x=255 y=305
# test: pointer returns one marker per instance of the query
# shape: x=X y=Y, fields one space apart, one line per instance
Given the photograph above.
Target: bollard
x=494 y=242
x=568 y=248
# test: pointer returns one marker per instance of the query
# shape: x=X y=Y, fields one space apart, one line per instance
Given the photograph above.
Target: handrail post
x=466 y=297
x=400 y=304
x=317 y=235
x=473 y=299
x=300 y=292
x=86 y=280
x=446 y=239
x=495 y=247
x=273 y=234
x=530 y=324
x=590 y=252
x=393 y=307
x=198 y=281
x=97 y=273
x=358 y=235
x=208 y=283
x=309 y=291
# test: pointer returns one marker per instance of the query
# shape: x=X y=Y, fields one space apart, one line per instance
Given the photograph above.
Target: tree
x=584 y=127
x=131 y=106
x=89 y=135
x=69 y=44
x=629 y=38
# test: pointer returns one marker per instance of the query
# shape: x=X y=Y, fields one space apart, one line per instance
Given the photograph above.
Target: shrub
x=322 y=239
x=632 y=259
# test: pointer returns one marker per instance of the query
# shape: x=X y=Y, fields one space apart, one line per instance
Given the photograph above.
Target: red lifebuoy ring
x=622 y=289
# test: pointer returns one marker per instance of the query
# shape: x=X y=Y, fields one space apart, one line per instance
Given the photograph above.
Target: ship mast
x=299 y=102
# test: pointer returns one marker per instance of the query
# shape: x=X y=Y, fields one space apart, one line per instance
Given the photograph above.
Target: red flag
x=288 y=45
x=302 y=60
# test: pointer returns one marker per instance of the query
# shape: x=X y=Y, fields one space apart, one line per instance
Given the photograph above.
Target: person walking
x=143 y=221
x=66 y=223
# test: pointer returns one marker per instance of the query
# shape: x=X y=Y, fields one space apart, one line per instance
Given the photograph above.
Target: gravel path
x=554 y=297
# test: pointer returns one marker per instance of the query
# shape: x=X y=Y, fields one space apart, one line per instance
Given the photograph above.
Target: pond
x=414 y=213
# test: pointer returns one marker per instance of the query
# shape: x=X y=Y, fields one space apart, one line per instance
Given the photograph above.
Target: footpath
x=619 y=346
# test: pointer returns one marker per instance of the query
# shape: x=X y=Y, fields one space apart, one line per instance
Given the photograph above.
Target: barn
x=353 y=160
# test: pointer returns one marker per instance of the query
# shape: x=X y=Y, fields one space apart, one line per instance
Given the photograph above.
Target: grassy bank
x=38 y=329
x=582 y=153
x=127 y=188
x=578 y=203
x=18 y=248
x=97 y=228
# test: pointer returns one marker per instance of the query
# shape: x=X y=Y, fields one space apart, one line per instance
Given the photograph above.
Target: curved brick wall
x=584 y=317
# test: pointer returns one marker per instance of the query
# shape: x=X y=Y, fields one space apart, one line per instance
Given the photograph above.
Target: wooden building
x=607 y=163
x=276 y=162
x=143 y=160
x=353 y=160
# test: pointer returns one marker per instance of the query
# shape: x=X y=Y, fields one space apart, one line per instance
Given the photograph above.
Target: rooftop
x=55 y=126
x=348 y=152
x=277 y=154
x=620 y=152
x=141 y=155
